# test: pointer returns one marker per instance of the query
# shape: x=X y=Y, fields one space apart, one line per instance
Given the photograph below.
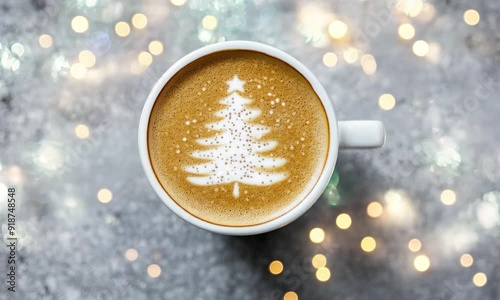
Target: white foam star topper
x=235 y=84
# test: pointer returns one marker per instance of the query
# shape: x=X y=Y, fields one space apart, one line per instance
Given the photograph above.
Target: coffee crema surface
x=238 y=138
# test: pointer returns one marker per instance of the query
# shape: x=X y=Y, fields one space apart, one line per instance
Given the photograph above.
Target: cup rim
x=287 y=217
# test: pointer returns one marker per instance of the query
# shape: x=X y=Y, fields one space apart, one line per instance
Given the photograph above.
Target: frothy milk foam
x=238 y=138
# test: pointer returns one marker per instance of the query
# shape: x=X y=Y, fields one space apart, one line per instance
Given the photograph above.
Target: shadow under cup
x=238 y=138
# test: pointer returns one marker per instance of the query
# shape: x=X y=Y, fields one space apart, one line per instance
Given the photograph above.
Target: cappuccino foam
x=238 y=138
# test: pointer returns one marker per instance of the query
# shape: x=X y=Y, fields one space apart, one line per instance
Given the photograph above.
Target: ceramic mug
x=343 y=134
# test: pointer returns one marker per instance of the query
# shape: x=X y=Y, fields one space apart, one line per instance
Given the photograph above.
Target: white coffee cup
x=343 y=134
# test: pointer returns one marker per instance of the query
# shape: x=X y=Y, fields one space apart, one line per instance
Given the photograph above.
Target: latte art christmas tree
x=235 y=153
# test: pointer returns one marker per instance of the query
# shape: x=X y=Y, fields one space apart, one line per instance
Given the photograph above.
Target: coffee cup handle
x=361 y=134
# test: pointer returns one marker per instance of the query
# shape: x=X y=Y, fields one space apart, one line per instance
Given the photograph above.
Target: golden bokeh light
x=18 y=49
x=290 y=296
x=131 y=254
x=317 y=235
x=330 y=59
x=479 y=279
x=178 y=2
x=422 y=263
x=318 y=261
x=448 y=197
x=209 y=22
x=82 y=131
x=276 y=267
x=343 y=221
x=466 y=260
x=155 y=47
x=374 y=209
x=471 y=17
x=368 y=244
x=145 y=59
x=78 y=71
x=104 y=195
x=45 y=41
x=369 y=64
x=386 y=101
x=420 y=48
x=122 y=29
x=413 y=7
x=434 y=54
x=323 y=274
x=392 y=197
x=351 y=55
x=428 y=12
x=80 y=24
x=139 y=21
x=154 y=270
x=337 y=29
x=87 y=58
x=414 y=245
x=406 y=31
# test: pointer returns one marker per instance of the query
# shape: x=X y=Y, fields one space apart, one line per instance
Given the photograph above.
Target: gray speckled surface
x=442 y=134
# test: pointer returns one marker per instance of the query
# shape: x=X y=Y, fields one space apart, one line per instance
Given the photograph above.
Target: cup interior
x=278 y=222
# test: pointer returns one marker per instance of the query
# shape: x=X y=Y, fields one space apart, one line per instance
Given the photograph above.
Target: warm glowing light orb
x=337 y=29
x=45 y=41
x=471 y=17
x=154 y=270
x=351 y=55
x=145 y=58
x=104 y=195
x=479 y=279
x=422 y=263
x=155 y=47
x=87 y=58
x=448 y=197
x=80 y=24
x=82 y=131
x=78 y=71
x=406 y=31
x=178 y=2
x=386 y=101
x=131 y=254
x=290 y=296
x=414 y=245
x=276 y=267
x=139 y=21
x=318 y=261
x=369 y=64
x=209 y=22
x=330 y=59
x=323 y=274
x=374 y=209
x=317 y=235
x=466 y=260
x=420 y=48
x=343 y=221
x=368 y=244
x=122 y=29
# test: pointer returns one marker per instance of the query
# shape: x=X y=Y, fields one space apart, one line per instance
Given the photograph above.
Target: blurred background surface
x=417 y=219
